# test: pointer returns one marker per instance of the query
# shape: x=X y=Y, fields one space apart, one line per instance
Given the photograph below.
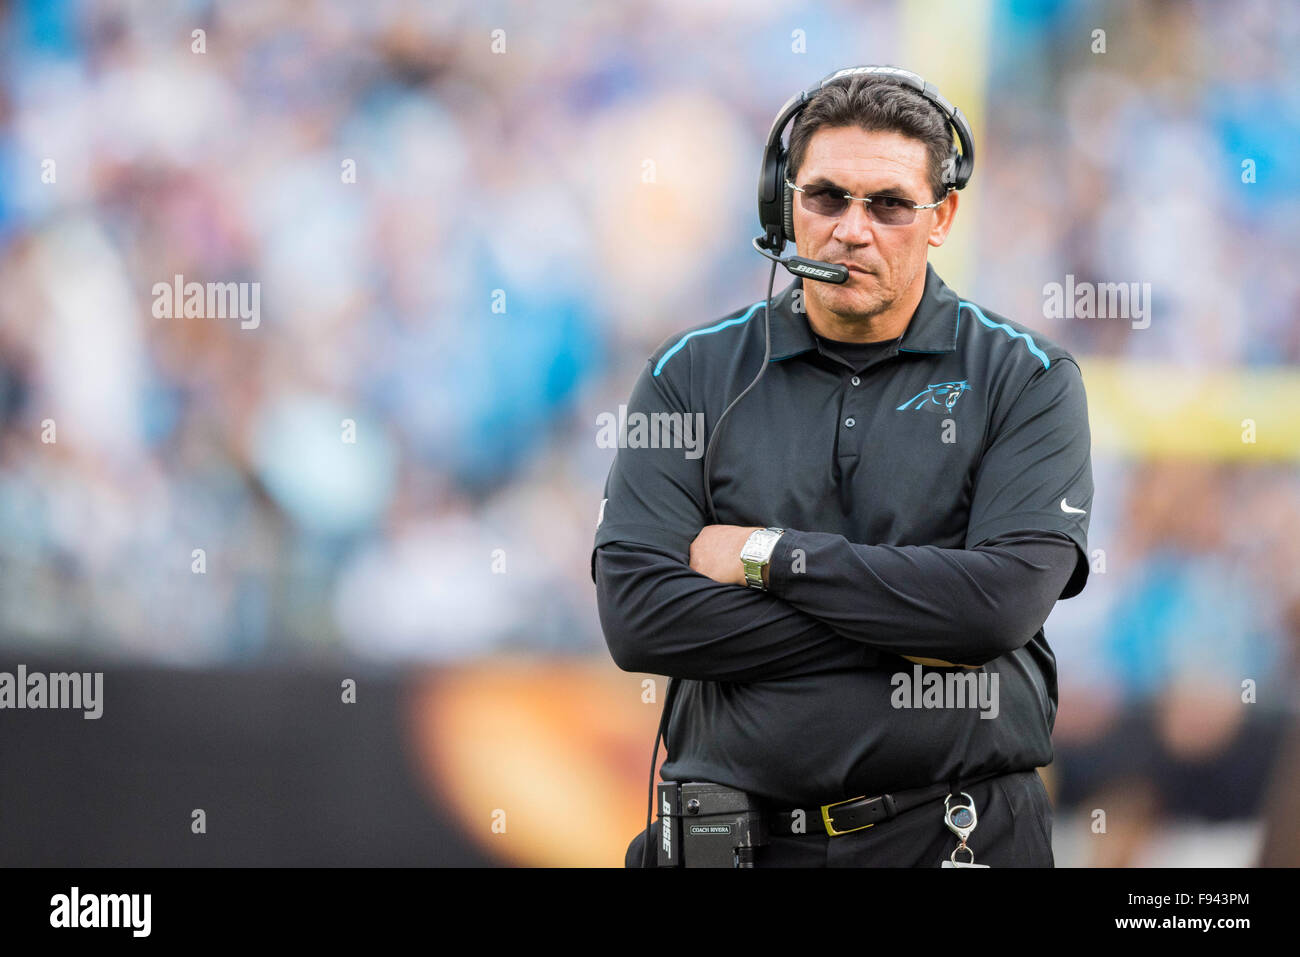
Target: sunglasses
x=885 y=210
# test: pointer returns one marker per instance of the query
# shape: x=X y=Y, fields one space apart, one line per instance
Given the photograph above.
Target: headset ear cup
x=956 y=172
x=787 y=211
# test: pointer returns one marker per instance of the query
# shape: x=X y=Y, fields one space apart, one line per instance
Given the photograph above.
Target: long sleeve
x=1026 y=544
x=660 y=617
x=657 y=614
x=967 y=606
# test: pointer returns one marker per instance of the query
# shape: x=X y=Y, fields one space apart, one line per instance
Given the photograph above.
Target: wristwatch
x=757 y=553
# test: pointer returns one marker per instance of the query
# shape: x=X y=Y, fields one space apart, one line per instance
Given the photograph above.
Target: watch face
x=760 y=545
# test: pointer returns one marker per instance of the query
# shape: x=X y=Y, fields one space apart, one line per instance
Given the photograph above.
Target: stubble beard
x=875 y=304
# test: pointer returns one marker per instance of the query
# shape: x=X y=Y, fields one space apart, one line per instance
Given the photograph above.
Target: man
x=910 y=482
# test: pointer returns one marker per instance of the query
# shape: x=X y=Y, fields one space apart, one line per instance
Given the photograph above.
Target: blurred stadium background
x=599 y=173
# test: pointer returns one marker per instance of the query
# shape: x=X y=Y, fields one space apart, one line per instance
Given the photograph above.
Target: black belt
x=853 y=814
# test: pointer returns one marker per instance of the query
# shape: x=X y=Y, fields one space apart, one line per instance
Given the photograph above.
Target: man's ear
x=944 y=216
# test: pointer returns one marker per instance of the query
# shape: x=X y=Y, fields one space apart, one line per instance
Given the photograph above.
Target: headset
x=776 y=200
x=776 y=216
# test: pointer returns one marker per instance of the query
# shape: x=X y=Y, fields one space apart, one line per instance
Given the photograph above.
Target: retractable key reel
x=961 y=820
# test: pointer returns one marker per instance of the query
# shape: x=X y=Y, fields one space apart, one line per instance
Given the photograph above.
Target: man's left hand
x=715 y=552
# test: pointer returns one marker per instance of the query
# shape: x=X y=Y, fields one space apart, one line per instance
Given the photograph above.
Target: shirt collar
x=932 y=328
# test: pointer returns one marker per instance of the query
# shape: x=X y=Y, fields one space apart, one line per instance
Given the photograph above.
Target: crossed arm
x=673 y=609
x=711 y=555
x=848 y=606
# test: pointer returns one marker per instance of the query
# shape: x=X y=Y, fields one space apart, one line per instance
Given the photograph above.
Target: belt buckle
x=826 y=817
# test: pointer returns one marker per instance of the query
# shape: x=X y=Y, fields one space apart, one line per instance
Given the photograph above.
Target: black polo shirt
x=935 y=492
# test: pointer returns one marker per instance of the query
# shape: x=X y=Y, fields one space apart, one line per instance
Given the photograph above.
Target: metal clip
x=961 y=819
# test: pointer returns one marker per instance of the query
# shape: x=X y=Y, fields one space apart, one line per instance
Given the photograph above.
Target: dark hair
x=873 y=103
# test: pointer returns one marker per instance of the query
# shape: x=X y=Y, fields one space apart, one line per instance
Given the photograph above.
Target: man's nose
x=854 y=227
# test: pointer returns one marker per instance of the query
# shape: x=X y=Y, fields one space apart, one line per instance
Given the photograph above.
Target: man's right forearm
x=660 y=617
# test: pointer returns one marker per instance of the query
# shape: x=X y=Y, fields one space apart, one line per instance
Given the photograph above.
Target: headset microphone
x=806 y=268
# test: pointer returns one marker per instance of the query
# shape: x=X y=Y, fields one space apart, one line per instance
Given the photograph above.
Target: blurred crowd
x=471 y=223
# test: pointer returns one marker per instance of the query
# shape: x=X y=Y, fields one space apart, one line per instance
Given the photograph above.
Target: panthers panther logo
x=940 y=397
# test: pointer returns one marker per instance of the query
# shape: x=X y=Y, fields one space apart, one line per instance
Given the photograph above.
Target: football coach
x=848 y=588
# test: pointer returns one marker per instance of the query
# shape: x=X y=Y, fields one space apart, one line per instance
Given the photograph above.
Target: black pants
x=1014 y=830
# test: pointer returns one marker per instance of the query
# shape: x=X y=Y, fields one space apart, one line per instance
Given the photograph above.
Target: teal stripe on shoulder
x=701 y=332
x=1033 y=347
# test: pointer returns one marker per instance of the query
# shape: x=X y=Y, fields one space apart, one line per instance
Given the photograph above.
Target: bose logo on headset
x=805 y=270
